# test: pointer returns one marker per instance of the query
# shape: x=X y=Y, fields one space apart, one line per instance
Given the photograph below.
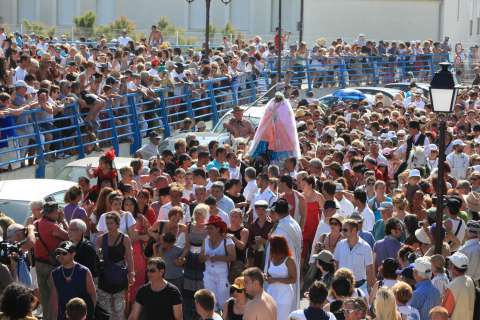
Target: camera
x=6 y=250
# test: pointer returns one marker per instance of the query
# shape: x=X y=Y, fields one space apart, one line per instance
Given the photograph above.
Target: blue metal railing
x=41 y=138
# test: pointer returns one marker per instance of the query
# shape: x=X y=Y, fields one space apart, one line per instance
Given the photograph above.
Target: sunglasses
x=334 y=224
x=62 y=253
x=236 y=290
x=345 y=230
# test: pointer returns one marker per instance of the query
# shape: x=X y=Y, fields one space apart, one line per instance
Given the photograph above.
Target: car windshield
x=73 y=173
x=219 y=128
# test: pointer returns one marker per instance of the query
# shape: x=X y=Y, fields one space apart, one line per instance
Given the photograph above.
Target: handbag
x=114 y=277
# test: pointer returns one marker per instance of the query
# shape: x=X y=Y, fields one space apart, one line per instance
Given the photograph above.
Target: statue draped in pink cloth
x=276 y=138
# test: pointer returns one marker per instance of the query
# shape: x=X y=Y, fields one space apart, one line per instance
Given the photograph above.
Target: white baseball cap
x=433 y=147
x=457 y=142
x=414 y=173
x=423 y=265
x=459 y=260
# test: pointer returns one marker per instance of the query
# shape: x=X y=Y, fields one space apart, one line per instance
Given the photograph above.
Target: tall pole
x=280 y=43
x=440 y=187
x=300 y=26
x=207 y=26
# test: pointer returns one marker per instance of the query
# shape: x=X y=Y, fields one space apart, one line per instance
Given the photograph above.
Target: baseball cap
x=422 y=265
x=338 y=187
x=459 y=260
x=261 y=203
x=154 y=135
x=13 y=228
x=458 y=142
x=385 y=205
x=422 y=236
x=21 y=84
x=356 y=216
x=65 y=246
x=239 y=283
x=414 y=173
x=324 y=256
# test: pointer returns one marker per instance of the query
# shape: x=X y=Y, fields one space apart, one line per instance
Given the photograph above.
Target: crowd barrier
x=36 y=138
x=345 y=71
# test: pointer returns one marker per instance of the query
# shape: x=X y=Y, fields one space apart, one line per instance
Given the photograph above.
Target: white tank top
x=217 y=266
x=280 y=271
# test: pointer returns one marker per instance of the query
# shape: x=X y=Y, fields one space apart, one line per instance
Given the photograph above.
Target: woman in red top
x=143 y=199
x=314 y=201
x=104 y=171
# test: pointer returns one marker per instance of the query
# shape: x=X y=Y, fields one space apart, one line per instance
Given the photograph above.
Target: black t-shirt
x=158 y=303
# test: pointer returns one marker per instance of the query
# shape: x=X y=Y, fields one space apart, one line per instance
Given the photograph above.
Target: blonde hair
x=385 y=305
x=402 y=292
x=201 y=209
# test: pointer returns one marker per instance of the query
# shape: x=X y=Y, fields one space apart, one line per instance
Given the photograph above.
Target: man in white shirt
x=124 y=39
x=355 y=254
x=150 y=149
x=211 y=202
x=346 y=207
x=263 y=193
x=251 y=187
x=224 y=203
x=21 y=69
x=471 y=248
x=176 y=192
x=458 y=160
x=360 y=202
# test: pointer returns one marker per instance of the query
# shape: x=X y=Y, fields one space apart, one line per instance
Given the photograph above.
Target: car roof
x=389 y=91
x=119 y=162
x=31 y=189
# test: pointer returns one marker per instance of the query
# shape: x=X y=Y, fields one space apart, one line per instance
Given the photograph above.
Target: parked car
x=329 y=100
x=388 y=93
x=76 y=169
x=219 y=132
x=405 y=87
x=16 y=195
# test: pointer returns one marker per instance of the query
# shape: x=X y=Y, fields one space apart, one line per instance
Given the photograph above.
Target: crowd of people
x=344 y=220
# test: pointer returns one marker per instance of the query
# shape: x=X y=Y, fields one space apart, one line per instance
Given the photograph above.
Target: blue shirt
x=374 y=205
x=226 y=204
x=379 y=230
x=368 y=237
x=215 y=164
x=425 y=297
x=386 y=248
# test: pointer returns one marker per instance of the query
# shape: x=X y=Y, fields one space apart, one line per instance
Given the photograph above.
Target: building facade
x=378 y=19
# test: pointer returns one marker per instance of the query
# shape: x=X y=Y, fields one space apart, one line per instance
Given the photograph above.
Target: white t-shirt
x=409 y=313
x=356 y=259
x=126 y=222
x=300 y=315
x=368 y=219
x=163 y=213
x=123 y=41
x=19 y=74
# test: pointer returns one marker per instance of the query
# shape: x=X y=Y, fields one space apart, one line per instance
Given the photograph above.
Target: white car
x=16 y=195
x=218 y=133
x=76 y=169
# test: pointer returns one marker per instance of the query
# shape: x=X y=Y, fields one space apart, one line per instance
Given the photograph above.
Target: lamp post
x=300 y=24
x=443 y=94
x=207 y=21
x=280 y=43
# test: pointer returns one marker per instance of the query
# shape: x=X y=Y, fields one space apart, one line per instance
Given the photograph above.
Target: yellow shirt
x=463 y=291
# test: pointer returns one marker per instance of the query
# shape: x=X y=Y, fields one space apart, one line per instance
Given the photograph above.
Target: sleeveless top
x=116 y=253
x=77 y=287
x=240 y=253
x=217 y=267
x=312 y=219
x=232 y=315
x=279 y=271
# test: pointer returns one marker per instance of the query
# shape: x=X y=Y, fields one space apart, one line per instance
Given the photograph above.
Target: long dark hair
x=136 y=209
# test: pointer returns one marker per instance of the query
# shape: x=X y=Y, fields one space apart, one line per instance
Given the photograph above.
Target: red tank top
x=311 y=221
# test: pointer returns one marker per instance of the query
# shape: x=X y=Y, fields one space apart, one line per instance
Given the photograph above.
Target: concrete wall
x=459 y=17
x=379 y=19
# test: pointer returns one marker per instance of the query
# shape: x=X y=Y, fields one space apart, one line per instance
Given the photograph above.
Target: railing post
x=78 y=137
x=432 y=65
x=253 y=88
x=403 y=68
x=40 y=169
x=376 y=76
x=187 y=92
x=137 y=138
x=213 y=102
x=113 y=127
x=308 y=75
x=163 y=114
x=341 y=76
x=234 y=92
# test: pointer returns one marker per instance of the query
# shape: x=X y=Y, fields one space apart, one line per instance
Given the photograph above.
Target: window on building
x=287 y=24
x=66 y=12
x=27 y=10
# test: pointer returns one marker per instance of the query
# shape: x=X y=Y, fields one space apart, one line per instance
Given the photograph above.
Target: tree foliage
x=170 y=31
x=38 y=28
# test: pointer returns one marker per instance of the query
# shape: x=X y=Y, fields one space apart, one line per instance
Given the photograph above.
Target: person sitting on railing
x=150 y=149
x=239 y=127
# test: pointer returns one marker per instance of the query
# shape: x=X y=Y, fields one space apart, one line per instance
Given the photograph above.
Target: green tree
x=38 y=28
x=170 y=31
x=115 y=28
x=85 y=25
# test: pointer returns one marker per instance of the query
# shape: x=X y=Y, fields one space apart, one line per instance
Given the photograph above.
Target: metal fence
x=37 y=138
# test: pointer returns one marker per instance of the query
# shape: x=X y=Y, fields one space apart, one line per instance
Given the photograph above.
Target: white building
x=378 y=19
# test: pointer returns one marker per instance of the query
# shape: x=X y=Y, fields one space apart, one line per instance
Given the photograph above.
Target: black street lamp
x=207 y=21
x=300 y=23
x=443 y=93
x=280 y=43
